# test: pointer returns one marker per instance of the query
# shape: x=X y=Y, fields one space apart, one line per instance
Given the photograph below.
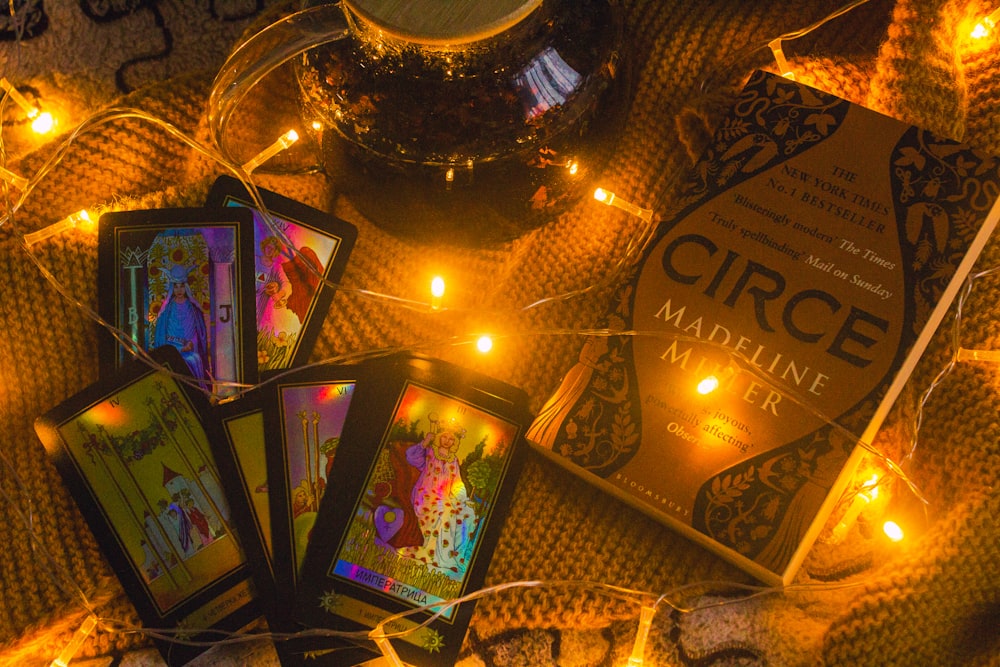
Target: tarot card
x=424 y=476
x=134 y=452
x=297 y=253
x=304 y=416
x=239 y=447
x=180 y=277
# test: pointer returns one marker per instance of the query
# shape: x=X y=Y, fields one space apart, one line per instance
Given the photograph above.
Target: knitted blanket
x=933 y=599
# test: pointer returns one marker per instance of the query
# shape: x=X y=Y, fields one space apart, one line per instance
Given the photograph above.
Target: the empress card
x=420 y=526
x=134 y=451
x=298 y=252
x=180 y=277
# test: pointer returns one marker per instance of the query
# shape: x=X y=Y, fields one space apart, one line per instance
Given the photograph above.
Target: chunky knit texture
x=934 y=600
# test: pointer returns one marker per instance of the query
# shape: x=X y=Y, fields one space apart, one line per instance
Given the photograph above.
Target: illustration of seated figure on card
x=180 y=322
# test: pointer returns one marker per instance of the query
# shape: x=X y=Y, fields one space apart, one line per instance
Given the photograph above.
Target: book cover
x=814 y=250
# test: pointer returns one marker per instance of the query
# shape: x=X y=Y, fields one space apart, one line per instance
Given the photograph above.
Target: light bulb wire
x=745 y=53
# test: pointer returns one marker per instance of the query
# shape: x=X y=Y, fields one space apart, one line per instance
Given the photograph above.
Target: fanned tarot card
x=134 y=452
x=304 y=413
x=298 y=252
x=180 y=277
x=239 y=448
x=423 y=478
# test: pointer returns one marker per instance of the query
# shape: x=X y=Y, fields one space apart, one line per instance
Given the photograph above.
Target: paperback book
x=815 y=249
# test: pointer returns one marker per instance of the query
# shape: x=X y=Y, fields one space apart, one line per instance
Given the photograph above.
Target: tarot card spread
x=135 y=453
x=297 y=250
x=177 y=277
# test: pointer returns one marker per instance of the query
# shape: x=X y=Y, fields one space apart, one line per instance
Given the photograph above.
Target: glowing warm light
x=79 y=219
x=316 y=125
x=43 y=123
x=283 y=142
x=892 y=531
x=573 y=167
x=484 y=344
x=641 y=635
x=610 y=199
x=437 y=287
x=865 y=496
x=965 y=354
x=708 y=385
x=449 y=175
x=871 y=486
x=19 y=99
x=779 y=58
x=987 y=25
x=437 y=291
x=73 y=647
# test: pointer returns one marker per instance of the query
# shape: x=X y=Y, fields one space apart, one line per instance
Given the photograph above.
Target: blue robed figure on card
x=180 y=322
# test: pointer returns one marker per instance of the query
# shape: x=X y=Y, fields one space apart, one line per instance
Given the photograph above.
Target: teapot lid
x=442 y=22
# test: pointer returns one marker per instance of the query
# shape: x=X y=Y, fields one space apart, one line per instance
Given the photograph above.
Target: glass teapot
x=464 y=120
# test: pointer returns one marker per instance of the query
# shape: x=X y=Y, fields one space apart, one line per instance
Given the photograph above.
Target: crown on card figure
x=452 y=426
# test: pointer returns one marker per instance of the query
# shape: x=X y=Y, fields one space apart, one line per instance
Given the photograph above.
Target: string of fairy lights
x=17 y=188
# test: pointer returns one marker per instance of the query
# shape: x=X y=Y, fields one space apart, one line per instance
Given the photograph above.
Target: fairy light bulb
x=43 y=123
x=892 y=531
x=779 y=58
x=987 y=25
x=283 y=142
x=639 y=647
x=610 y=199
x=965 y=354
x=79 y=219
x=437 y=292
x=389 y=655
x=484 y=344
x=870 y=488
x=708 y=385
x=75 y=642
x=865 y=496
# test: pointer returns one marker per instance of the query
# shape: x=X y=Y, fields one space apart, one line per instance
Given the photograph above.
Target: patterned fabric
x=932 y=600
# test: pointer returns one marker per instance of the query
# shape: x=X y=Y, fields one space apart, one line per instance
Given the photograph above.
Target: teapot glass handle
x=264 y=52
